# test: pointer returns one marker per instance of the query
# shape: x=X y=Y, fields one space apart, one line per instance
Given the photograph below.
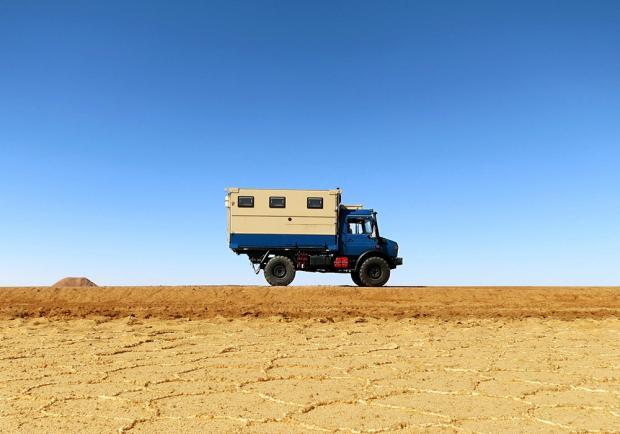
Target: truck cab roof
x=360 y=212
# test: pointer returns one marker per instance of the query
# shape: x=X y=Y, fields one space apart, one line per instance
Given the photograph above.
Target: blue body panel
x=285 y=241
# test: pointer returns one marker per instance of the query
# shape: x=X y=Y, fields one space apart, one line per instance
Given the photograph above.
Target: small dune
x=73 y=282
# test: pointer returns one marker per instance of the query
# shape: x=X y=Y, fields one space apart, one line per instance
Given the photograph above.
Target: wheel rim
x=374 y=272
x=279 y=271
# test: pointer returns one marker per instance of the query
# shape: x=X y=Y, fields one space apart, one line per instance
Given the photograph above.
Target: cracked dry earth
x=303 y=375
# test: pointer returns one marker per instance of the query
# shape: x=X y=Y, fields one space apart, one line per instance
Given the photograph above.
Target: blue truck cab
x=285 y=231
x=359 y=234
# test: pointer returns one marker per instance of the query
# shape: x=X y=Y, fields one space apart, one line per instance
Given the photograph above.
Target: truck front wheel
x=374 y=271
x=279 y=271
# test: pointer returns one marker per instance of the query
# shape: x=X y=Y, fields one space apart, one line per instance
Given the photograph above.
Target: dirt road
x=311 y=302
x=389 y=360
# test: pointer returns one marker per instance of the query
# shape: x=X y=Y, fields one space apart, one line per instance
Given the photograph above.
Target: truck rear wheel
x=374 y=271
x=279 y=271
x=355 y=276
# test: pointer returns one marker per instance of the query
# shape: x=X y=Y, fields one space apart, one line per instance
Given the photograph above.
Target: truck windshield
x=368 y=226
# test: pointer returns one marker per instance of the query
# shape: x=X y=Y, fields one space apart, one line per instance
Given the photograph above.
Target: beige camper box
x=288 y=218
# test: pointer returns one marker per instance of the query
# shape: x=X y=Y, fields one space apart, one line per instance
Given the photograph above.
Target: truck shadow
x=386 y=286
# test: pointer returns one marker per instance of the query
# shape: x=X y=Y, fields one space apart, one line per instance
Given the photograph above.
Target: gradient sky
x=486 y=134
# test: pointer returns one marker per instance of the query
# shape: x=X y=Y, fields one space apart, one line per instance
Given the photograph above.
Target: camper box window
x=315 y=202
x=277 y=202
x=245 y=201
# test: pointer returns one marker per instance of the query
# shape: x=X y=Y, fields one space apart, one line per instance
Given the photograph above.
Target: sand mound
x=73 y=282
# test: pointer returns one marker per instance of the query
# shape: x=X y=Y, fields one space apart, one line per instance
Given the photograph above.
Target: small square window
x=277 y=202
x=245 y=201
x=315 y=202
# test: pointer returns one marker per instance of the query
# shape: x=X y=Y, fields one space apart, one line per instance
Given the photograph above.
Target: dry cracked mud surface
x=288 y=375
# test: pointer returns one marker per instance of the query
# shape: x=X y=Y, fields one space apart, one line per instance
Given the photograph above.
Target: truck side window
x=360 y=226
x=315 y=202
x=355 y=228
x=277 y=202
x=245 y=201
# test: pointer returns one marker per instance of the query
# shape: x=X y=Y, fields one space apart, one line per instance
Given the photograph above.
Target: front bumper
x=398 y=261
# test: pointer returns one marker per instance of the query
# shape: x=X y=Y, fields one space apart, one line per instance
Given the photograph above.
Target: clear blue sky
x=486 y=134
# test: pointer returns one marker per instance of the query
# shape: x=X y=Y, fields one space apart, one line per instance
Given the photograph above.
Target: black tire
x=279 y=271
x=374 y=271
x=355 y=276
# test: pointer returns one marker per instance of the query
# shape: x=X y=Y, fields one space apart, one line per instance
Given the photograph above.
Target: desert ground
x=309 y=359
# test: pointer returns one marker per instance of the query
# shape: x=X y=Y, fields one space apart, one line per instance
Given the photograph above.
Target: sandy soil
x=318 y=367
x=311 y=301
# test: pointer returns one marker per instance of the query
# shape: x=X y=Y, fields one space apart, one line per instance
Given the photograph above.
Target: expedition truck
x=285 y=231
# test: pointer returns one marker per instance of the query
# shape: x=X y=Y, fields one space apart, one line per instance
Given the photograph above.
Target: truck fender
x=368 y=254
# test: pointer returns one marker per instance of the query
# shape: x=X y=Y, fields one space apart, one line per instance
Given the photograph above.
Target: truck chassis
x=280 y=266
